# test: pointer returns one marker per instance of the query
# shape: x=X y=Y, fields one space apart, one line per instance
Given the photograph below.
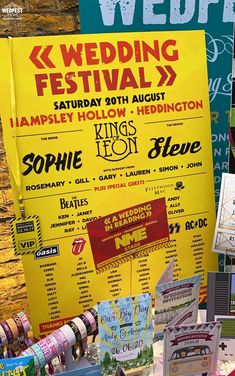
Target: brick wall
x=38 y=17
x=41 y=17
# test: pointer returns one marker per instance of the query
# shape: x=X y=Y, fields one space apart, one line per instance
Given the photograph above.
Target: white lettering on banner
x=218 y=87
x=215 y=47
x=176 y=17
x=11 y=11
x=221 y=167
x=220 y=137
x=108 y=8
x=220 y=152
x=152 y=17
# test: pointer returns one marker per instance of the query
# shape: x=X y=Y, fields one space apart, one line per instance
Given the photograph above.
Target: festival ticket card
x=125 y=331
x=23 y=365
x=224 y=236
x=171 y=300
x=192 y=349
x=128 y=234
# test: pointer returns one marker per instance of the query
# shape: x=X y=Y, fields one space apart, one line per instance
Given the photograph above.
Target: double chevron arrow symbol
x=168 y=75
x=40 y=57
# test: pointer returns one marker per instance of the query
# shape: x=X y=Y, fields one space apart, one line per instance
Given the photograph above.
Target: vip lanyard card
x=224 y=236
x=221 y=294
x=26 y=235
x=227 y=341
x=23 y=365
x=171 y=299
x=192 y=349
x=125 y=331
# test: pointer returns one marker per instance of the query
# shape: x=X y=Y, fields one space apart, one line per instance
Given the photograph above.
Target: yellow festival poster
x=109 y=147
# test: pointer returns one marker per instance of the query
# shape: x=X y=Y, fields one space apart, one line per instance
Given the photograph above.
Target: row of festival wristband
x=75 y=332
x=14 y=330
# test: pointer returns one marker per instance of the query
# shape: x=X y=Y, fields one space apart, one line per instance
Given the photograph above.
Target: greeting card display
x=171 y=300
x=191 y=350
x=125 y=331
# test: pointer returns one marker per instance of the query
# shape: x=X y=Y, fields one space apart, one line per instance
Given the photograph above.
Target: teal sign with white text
x=216 y=17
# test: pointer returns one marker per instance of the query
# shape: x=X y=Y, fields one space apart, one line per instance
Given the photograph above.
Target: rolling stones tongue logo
x=78 y=245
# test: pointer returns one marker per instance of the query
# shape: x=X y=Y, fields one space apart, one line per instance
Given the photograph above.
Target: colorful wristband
x=40 y=355
x=30 y=351
x=12 y=325
x=50 y=350
x=75 y=330
x=19 y=326
x=58 y=344
x=87 y=323
x=82 y=327
x=94 y=313
x=3 y=337
x=69 y=334
x=60 y=337
x=92 y=321
x=25 y=321
x=8 y=332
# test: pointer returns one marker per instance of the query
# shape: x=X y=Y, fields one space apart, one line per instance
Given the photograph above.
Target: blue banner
x=216 y=17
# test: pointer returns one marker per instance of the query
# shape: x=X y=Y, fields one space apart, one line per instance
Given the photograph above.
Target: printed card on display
x=171 y=300
x=168 y=274
x=125 y=331
x=224 y=237
x=131 y=233
x=192 y=349
x=227 y=340
x=23 y=365
x=187 y=316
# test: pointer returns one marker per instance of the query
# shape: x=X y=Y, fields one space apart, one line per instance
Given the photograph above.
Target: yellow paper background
x=69 y=283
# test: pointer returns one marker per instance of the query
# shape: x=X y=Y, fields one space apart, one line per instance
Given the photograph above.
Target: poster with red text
x=96 y=126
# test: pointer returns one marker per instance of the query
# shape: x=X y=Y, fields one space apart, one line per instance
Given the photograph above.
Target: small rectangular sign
x=26 y=235
x=127 y=234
